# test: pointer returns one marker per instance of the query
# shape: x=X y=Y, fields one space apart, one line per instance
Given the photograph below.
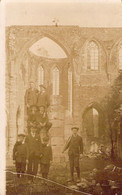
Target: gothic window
x=92 y=56
x=70 y=90
x=91 y=122
x=55 y=74
x=120 y=57
x=40 y=75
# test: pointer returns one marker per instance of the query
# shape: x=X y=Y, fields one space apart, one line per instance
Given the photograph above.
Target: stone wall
x=88 y=86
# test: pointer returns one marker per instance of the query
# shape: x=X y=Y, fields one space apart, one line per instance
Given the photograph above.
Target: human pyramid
x=37 y=103
x=33 y=149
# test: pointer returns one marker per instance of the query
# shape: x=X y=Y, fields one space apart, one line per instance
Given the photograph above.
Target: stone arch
x=117 y=42
x=102 y=51
x=91 y=105
x=29 y=43
x=114 y=58
x=99 y=43
x=101 y=118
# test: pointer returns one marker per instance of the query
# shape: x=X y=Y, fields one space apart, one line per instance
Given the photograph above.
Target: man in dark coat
x=46 y=157
x=32 y=117
x=31 y=96
x=42 y=120
x=33 y=143
x=75 y=146
x=20 y=155
x=43 y=98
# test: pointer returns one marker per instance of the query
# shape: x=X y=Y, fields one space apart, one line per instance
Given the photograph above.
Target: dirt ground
x=59 y=174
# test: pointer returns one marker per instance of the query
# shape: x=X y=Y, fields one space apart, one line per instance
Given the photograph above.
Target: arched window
x=40 y=75
x=70 y=90
x=55 y=74
x=91 y=122
x=92 y=56
x=120 y=57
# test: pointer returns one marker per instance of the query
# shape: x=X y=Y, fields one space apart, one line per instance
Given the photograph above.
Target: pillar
x=56 y=116
x=12 y=110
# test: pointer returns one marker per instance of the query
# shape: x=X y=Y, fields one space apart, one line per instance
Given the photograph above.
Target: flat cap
x=75 y=128
x=21 y=135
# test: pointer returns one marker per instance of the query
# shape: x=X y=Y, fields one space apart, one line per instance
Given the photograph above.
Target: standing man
x=31 y=95
x=43 y=98
x=75 y=146
x=33 y=143
x=20 y=155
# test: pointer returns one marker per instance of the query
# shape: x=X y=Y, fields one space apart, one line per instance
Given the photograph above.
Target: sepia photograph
x=63 y=97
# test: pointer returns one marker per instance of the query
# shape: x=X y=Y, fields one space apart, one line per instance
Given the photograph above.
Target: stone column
x=12 y=109
x=56 y=116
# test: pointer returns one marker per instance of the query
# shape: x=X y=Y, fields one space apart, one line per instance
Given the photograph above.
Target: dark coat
x=42 y=118
x=46 y=152
x=43 y=100
x=75 y=146
x=32 y=120
x=31 y=97
x=20 y=152
x=33 y=144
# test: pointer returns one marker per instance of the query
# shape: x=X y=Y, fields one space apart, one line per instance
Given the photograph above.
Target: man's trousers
x=74 y=163
x=20 y=168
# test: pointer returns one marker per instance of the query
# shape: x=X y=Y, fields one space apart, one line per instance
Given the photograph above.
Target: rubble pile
x=106 y=181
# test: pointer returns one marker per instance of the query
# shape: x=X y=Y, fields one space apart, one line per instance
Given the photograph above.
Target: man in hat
x=33 y=143
x=43 y=98
x=42 y=119
x=20 y=155
x=31 y=95
x=75 y=146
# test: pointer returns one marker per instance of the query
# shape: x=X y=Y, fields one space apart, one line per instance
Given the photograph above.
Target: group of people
x=30 y=151
x=37 y=103
x=33 y=149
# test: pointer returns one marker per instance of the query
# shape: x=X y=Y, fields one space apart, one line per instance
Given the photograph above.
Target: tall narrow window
x=92 y=56
x=120 y=57
x=70 y=90
x=40 y=75
x=55 y=74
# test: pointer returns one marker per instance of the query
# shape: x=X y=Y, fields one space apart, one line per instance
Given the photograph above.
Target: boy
x=33 y=143
x=20 y=155
x=46 y=157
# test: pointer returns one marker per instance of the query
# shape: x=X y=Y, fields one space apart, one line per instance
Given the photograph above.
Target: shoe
x=70 y=180
x=78 y=180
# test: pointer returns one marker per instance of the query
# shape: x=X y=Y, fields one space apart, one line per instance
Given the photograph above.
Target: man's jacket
x=33 y=144
x=46 y=152
x=31 y=96
x=75 y=145
x=20 y=152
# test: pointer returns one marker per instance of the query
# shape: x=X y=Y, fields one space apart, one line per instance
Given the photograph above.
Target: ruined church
x=76 y=65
